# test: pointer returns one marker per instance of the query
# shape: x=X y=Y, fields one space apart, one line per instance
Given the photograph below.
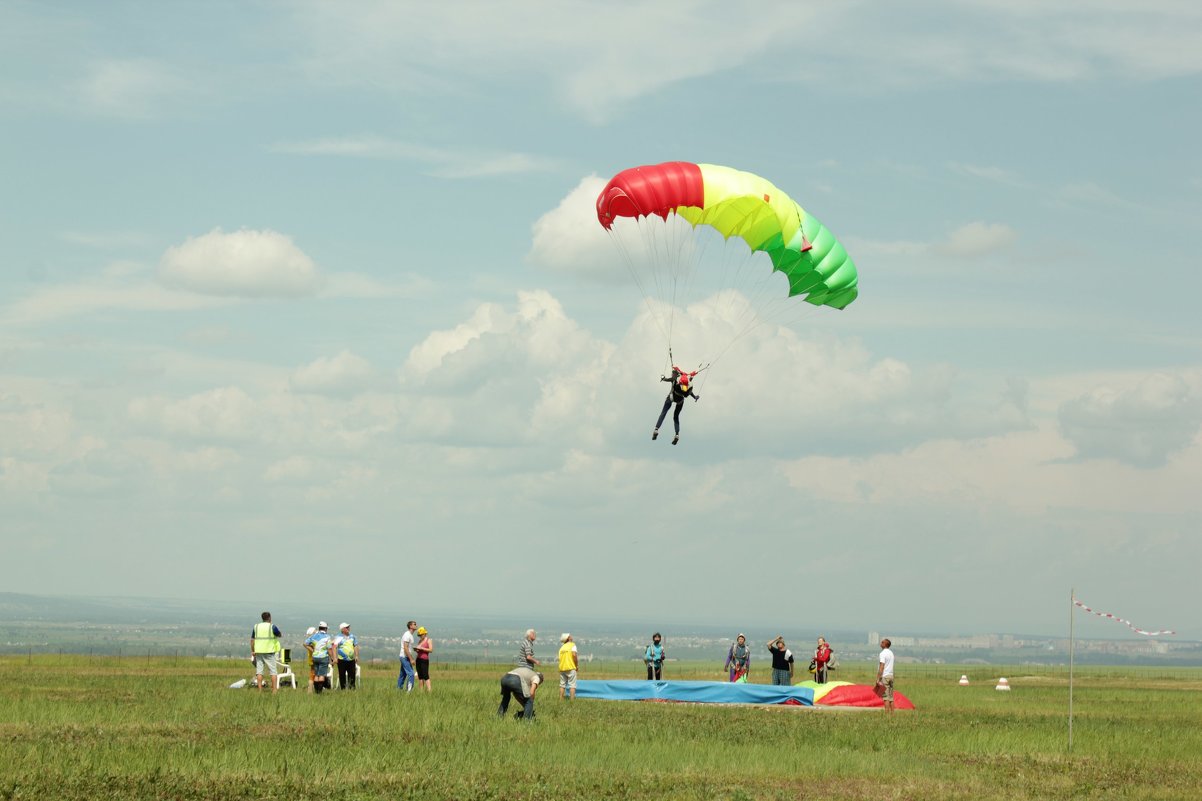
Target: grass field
x=79 y=728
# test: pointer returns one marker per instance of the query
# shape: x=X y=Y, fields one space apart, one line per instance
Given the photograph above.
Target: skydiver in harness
x=682 y=388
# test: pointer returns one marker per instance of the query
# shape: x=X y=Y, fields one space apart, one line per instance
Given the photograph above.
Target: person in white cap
x=319 y=645
x=346 y=651
x=569 y=663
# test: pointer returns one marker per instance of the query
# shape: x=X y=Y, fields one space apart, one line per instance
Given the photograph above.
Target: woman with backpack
x=738 y=659
x=822 y=659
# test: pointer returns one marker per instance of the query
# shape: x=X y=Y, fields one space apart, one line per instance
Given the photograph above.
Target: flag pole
x=1072 y=601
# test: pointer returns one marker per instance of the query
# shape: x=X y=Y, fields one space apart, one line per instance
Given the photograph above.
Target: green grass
x=148 y=728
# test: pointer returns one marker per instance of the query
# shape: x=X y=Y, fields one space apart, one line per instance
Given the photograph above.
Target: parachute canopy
x=697 y=692
x=806 y=693
x=844 y=693
x=739 y=204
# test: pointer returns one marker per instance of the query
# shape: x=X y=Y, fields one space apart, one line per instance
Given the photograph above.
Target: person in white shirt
x=405 y=680
x=884 y=673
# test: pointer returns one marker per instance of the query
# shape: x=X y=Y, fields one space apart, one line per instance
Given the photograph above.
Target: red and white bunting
x=1126 y=623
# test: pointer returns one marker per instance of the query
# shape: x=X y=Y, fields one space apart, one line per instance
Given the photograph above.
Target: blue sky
x=305 y=295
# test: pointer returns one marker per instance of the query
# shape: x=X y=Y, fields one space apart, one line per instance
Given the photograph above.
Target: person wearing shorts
x=319 y=644
x=569 y=662
x=264 y=645
x=884 y=674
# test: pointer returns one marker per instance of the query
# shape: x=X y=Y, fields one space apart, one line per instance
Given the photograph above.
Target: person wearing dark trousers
x=681 y=389
x=520 y=684
x=346 y=651
x=654 y=658
x=822 y=660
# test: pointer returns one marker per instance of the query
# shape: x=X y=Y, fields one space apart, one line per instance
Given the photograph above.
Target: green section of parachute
x=744 y=205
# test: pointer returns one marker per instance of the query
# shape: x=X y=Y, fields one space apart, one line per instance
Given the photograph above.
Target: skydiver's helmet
x=684 y=383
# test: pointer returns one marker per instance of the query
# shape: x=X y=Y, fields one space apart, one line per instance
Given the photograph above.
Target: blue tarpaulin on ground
x=697 y=692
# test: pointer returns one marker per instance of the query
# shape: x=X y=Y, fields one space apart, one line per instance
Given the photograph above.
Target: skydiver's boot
x=655 y=434
x=676 y=439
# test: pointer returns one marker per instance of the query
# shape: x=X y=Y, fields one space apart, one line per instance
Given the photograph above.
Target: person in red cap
x=682 y=388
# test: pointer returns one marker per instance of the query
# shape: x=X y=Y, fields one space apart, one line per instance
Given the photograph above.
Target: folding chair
x=286 y=674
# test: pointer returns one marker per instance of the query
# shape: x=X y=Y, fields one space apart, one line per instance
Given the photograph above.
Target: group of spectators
x=327 y=655
x=336 y=655
x=738 y=660
x=523 y=681
x=339 y=654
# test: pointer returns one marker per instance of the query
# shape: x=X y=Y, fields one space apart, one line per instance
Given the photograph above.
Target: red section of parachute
x=861 y=695
x=655 y=189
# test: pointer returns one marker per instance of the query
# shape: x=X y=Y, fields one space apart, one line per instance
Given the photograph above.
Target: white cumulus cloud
x=1141 y=425
x=246 y=263
x=225 y=413
x=977 y=239
x=570 y=239
x=342 y=374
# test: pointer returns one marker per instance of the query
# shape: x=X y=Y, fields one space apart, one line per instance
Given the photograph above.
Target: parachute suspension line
x=743 y=259
x=759 y=320
x=675 y=265
x=632 y=268
x=741 y=277
x=700 y=370
x=683 y=263
x=692 y=255
x=662 y=268
x=764 y=297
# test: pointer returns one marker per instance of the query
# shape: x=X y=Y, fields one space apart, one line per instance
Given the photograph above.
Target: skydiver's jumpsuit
x=677 y=396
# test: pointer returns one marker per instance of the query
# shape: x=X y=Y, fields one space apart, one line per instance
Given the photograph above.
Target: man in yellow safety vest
x=264 y=646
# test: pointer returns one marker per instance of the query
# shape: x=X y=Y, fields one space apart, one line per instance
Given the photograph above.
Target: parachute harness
x=686 y=374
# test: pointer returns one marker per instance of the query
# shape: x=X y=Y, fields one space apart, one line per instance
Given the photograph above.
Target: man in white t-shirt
x=405 y=680
x=884 y=673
